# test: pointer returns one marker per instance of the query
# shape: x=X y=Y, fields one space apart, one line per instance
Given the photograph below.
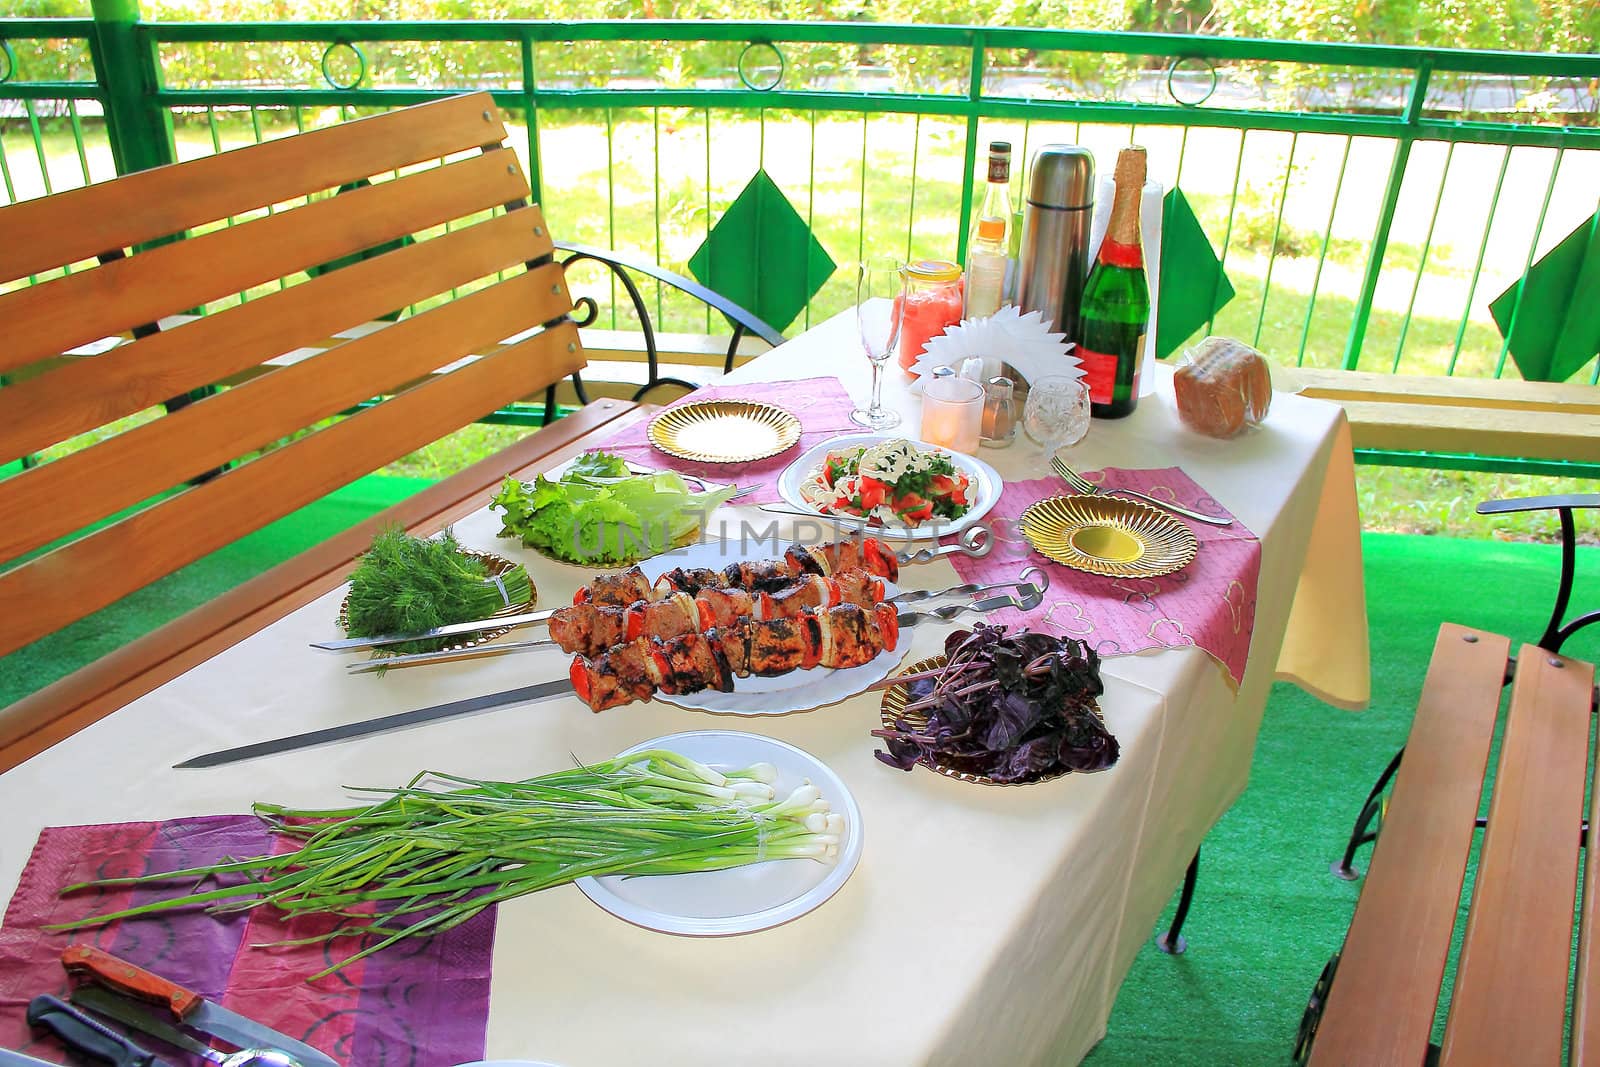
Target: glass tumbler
x=1056 y=415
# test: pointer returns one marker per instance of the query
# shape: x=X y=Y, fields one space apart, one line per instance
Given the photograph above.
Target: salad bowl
x=984 y=487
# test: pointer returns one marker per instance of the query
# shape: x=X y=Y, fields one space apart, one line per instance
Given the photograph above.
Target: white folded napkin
x=1023 y=341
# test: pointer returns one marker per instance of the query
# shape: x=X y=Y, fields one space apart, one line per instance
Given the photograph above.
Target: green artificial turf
x=34 y=666
x=1267 y=912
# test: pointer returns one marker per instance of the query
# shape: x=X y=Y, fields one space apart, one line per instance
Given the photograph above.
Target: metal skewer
x=1031 y=589
x=975 y=541
x=350 y=644
x=1031 y=598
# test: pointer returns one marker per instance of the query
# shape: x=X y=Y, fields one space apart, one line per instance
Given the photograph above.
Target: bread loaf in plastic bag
x=1223 y=387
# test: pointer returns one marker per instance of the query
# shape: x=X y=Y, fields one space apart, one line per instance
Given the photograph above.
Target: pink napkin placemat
x=821 y=404
x=420 y=1003
x=1210 y=603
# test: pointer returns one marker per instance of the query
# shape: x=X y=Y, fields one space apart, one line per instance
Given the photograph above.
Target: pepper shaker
x=999 y=414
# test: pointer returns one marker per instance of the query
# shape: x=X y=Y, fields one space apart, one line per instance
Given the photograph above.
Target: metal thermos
x=1055 y=235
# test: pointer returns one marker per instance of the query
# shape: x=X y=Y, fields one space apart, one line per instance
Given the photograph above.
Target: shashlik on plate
x=832 y=558
x=838 y=637
x=592 y=628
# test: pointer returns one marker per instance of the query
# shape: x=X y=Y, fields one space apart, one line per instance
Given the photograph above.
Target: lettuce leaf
x=593 y=517
x=598 y=465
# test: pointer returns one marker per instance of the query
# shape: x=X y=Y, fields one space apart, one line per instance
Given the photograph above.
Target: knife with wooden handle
x=190 y=1008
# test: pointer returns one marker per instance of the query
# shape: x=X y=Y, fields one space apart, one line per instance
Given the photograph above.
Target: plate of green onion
x=800 y=849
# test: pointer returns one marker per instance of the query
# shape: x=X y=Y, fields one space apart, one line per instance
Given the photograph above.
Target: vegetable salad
x=893 y=483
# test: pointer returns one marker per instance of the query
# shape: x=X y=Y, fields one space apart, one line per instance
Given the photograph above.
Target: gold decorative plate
x=724 y=431
x=498 y=565
x=1107 y=536
x=893 y=710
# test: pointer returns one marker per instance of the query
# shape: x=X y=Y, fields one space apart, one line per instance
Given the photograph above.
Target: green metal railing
x=1366 y=201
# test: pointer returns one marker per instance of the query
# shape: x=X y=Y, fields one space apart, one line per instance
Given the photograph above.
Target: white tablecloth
x=984 y=925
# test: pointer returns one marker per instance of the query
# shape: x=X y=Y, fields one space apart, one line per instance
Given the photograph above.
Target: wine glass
x=880 y=311
x=1056 y=414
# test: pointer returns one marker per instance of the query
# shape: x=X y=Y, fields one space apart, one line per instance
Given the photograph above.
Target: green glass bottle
x=1116 y=300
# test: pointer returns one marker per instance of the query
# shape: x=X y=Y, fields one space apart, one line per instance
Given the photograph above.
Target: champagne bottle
x=1116 y=300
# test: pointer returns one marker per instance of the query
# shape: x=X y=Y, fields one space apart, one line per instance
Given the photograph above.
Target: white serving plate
x=984 y=478
x=742 y=899
x=794 y=691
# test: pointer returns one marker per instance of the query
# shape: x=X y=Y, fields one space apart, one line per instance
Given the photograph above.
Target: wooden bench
x=147 y=247
x=1377 y=1000
x=1530 y=424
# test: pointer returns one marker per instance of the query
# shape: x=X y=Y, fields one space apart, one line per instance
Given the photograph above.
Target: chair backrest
x=350 y=194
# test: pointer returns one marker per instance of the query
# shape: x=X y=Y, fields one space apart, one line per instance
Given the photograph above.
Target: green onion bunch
x=423 y=860
x=405 y=584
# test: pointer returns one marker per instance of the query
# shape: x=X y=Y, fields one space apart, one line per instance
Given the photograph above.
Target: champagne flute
x=880 y=310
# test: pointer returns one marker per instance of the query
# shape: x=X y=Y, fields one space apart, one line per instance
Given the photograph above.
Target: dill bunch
x=405 y=584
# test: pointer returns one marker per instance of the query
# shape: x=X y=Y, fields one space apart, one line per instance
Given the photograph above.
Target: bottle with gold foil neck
x=1115 y=311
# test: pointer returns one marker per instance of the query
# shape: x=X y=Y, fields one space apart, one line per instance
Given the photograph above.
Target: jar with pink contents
x=931 y=301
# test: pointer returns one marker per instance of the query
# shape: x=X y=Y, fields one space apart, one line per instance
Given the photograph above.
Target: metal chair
x=623 y=267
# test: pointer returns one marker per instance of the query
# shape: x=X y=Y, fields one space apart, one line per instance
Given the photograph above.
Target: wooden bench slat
x=38 y=721
x=87 y=392
x=1584 y=1049
x=1382 y=1002
x=45 y=319
x=1507 y=393
x=1551 y=434
x=49 y=232
x=1510 y=998
x=71 y=492
x=130 y=553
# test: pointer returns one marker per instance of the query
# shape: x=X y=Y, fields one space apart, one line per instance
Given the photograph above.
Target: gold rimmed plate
x=1107 y=536
x=498 y=566
x=893 y=712
x=724 y=431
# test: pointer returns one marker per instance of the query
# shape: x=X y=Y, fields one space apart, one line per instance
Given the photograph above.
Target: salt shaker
x=999 y=414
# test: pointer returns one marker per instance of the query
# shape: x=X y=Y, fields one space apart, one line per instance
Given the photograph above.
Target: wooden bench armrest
x=56 y=712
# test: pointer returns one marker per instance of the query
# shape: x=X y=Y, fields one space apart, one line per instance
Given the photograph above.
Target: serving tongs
x=1030 y=586
x=975 y=541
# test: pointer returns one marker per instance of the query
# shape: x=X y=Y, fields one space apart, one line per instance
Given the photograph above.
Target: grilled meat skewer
x=591 y=628
x=771 y=575
x=840 y=637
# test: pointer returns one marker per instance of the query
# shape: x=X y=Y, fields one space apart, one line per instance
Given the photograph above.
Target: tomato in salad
x=891 y=483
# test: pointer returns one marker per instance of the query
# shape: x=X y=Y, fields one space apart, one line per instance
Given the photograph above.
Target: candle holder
x=952 y=413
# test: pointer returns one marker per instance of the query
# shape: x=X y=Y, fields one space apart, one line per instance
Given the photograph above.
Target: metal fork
x=1088 y=488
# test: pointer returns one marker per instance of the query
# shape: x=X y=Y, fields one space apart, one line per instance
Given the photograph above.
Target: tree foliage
x=1519 y=25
